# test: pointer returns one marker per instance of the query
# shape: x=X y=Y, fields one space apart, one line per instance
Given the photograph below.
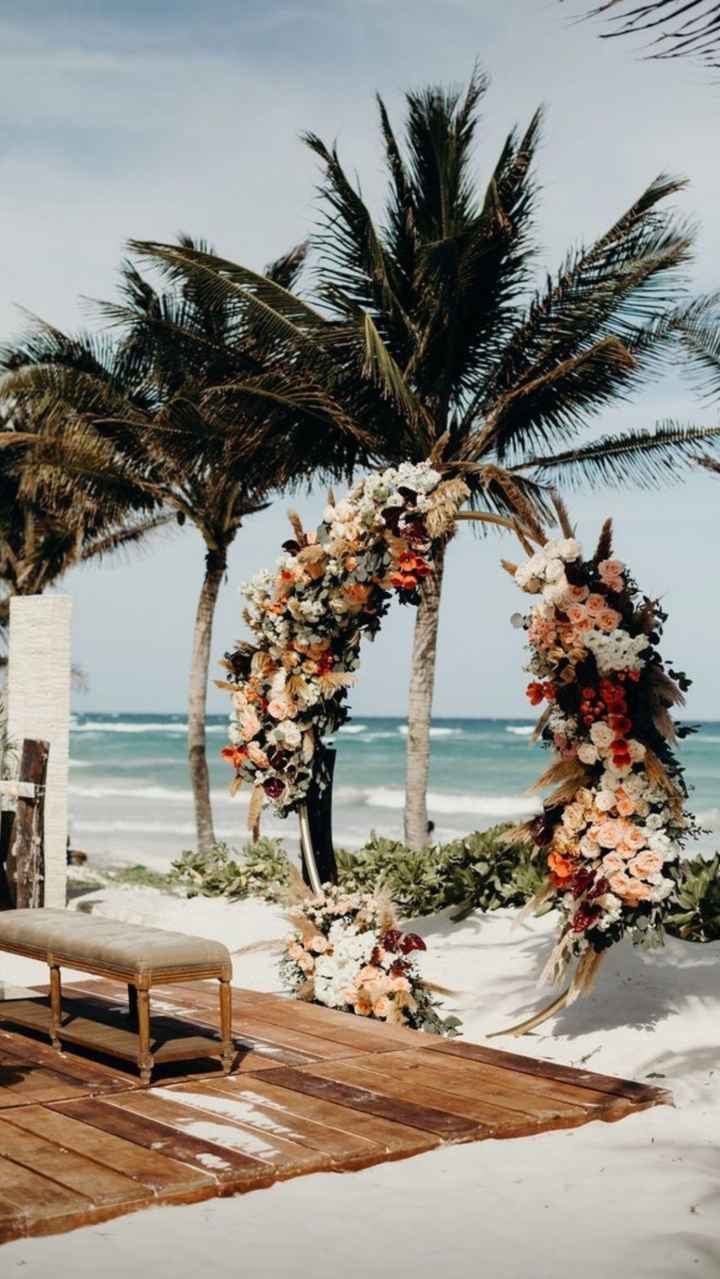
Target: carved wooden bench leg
x=133 y=1006
x=55 y=1004
x=228 y=1048
x=145 y=1059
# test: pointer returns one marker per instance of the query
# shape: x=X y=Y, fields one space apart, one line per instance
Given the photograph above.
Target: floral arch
x=612 y=825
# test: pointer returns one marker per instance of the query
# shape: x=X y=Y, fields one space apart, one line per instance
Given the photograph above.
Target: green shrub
x=477 y=872
x=697 y=917
x=261 y=869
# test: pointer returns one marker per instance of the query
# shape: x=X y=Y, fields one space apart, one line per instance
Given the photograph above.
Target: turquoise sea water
x=130 y=798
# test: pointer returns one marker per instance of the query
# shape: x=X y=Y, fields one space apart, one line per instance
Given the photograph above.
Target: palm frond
x=685 y=28
x=645 y=458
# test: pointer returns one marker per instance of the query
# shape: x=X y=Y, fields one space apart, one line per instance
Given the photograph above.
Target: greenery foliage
x=478 y=872
x=260 y=869
x=698 y=891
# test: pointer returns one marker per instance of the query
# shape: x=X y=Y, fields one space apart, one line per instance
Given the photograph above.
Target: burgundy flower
x=584 y=917
x=582 y=881
x=273 y=787
x=391 y=939
x=411 y=941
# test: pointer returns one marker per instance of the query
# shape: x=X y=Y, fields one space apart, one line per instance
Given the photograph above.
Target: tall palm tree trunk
x=215 y=564
x=422 y=683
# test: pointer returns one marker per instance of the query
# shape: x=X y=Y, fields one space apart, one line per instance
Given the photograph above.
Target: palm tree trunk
x=422 y=682
x=215 y=564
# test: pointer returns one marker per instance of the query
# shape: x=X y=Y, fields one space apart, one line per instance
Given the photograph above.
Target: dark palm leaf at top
x=671 y=28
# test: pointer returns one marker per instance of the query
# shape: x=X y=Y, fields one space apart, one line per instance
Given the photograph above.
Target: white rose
x=605 y=800
x=568 y=549
x=554 y=571
x=601 y=734
x=587 y=753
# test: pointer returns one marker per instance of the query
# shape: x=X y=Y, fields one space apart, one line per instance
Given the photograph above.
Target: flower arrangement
x=614 y=825
x=329 y=588
x=346 y=951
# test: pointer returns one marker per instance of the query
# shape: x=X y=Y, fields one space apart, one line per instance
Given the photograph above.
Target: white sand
x=636 y=1199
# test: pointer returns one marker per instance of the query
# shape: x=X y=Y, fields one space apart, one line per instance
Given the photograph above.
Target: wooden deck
x=311 y=1090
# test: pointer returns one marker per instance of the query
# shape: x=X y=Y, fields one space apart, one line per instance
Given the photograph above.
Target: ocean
x=130 y=799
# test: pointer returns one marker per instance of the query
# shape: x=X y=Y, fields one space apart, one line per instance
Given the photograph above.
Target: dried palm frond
x=537 y=731
x=509 y=567
x=562 y=514
x=603 y=550
x=296 y=525
x=563 y=772
x=255 y=811
x=657 y=773
x=445 y=502
x=334 y=680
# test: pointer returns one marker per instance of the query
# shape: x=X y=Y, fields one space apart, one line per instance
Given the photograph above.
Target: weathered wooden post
x=38 y=707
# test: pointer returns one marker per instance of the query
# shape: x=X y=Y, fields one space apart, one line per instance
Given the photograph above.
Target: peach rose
x=620 y=884
x=573 y=817
x=605 y=801
x=610 y=833
x=633 y=837
x=613 y=864
x=595 y=604
x=382 y=1006
x=638 y=891
x=646 y=863
x=608 y=619
x=258 y=756
x=576 y=613
x=611 y=568
x=623 y=803
x=249 y=724
x=363 y=1007
x=578 y=593
x=281 y=708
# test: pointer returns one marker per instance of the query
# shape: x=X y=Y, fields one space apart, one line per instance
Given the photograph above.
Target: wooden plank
x=251 y=1053
x=470 y=1078
x=375 y=1102
x=220 y=1165
x=325 y=1023
x=640 y=1094
x=242 y=1105
x=392 y=1138
x=23 y=1082
x=93 y=1076
x=504 y=1113
x=253 y=1153
x=63 y=1124
x=38 y=1205
x=67 y=1168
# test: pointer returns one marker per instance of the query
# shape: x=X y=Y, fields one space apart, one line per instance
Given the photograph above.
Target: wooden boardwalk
x=311 y=1090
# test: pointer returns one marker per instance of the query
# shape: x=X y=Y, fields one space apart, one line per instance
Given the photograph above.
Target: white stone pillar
x=38 y=706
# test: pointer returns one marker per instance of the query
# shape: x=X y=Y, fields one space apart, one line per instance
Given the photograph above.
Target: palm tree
x=136 y=419
x=429 y=338
x=41 y=539
x=674 y=28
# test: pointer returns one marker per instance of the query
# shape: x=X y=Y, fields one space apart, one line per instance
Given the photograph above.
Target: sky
x=143 y=119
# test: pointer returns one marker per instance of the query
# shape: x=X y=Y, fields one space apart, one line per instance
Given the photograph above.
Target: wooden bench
x=141 y=957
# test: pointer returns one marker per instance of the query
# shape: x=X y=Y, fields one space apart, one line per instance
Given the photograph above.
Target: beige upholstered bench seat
x=140 y=956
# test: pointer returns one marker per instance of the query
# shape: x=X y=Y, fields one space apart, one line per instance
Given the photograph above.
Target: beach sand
x=639 y=1199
